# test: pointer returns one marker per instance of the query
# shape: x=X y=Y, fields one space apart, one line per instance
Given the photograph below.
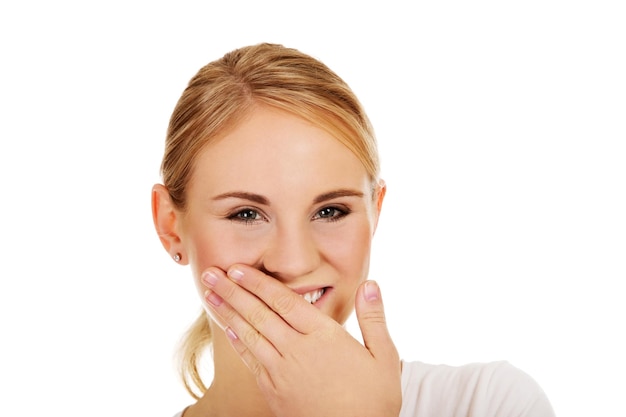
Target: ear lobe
x=165 y=217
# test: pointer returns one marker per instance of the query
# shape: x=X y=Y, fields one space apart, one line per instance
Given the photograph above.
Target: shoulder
x=496 y=389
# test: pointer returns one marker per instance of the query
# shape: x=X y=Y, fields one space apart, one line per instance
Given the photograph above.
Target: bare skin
x=305 y=363
x=278 y=208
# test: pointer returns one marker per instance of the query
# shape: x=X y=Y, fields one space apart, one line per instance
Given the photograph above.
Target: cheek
x=217 y=249
x=351 y=255
x=221 y=248
x=352 y=265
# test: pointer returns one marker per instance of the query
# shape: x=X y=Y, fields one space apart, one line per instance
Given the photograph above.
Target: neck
x=234 y=391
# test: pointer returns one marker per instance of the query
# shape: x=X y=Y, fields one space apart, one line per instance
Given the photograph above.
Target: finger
x=247 y=316
x=249 y=359
x=290 y=306
x=371 y=317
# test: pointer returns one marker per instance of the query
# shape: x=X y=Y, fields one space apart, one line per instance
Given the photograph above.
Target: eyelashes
x=331 y=213
x=251 y=216
x=247 y=216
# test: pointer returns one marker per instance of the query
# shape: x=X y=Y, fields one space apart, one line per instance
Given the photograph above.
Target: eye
x=246 y=216
x=331 y=213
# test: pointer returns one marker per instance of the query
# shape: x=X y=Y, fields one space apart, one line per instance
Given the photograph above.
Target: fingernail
x=213 y=298
x=371 y=291
x=209 y=278
x=231 y=335
x=235 y=274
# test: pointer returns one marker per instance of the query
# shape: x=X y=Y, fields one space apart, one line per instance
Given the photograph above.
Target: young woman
x=271 y=193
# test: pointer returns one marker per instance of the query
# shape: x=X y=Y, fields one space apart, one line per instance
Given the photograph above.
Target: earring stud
x=176 y=257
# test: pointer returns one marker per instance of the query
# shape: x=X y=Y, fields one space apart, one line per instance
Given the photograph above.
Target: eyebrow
x=259 y=199
x=337 y=193
x=256 y=198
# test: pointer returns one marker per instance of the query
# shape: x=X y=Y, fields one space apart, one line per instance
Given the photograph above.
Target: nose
x=291 y=253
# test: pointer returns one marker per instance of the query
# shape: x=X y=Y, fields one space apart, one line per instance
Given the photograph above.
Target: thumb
x=371 y=316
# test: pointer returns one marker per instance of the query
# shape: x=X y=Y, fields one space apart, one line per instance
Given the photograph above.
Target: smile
x=313 y=296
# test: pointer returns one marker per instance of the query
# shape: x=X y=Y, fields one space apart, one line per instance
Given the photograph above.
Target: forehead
x=272 y=150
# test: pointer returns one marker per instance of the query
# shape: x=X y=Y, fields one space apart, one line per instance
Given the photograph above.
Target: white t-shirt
x=495 y=389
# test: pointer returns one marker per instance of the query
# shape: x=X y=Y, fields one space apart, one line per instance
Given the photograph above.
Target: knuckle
x=250 y=337
x=374 y=317
x=228 y=314
x=257 y=316
x=256 y=368
x=284 y=304
x=229 y=292
x=243 y=351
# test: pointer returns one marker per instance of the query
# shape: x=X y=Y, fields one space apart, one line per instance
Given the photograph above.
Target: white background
x=501 y=127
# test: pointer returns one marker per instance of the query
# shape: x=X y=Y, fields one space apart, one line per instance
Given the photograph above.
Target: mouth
x=313 y=296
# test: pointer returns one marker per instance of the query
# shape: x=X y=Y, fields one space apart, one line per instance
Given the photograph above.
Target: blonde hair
x=223 y=92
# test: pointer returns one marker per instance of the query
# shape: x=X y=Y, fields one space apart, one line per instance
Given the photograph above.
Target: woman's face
x=284 y=196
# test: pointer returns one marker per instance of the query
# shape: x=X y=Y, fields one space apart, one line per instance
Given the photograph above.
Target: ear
x=381 y=190
x=165 y=218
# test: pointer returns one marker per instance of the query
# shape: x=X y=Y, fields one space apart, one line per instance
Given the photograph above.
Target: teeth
x=313 y=296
